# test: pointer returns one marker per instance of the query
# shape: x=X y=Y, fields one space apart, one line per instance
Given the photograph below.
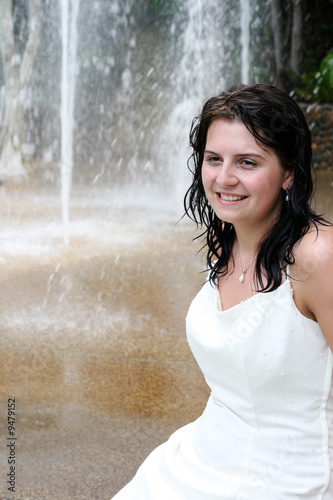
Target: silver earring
x=288 y=193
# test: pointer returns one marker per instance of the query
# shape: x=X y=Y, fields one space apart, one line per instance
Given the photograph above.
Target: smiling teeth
x=231 y=197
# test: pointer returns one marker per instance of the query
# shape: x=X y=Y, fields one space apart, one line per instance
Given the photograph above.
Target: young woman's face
x=243 y=182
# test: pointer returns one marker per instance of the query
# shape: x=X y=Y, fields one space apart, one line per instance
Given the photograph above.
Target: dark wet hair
x=276 y=121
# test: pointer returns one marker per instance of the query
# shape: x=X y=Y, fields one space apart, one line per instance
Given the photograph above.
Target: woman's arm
x=313 y=288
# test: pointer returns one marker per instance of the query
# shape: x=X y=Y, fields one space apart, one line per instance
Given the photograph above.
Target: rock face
x=320 y=120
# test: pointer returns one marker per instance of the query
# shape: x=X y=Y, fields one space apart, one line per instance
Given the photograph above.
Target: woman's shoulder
x=312 y=277
x=314 y=251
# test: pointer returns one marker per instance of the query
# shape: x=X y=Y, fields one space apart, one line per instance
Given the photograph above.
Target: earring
x=288 y=193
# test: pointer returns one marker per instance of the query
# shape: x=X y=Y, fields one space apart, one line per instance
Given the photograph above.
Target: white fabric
x=266 y=432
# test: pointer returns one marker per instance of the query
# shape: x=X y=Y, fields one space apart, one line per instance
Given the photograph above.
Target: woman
x=261 y=327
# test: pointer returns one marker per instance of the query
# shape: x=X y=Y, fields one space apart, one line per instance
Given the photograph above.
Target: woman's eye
x=248 y=163
x=213 y=159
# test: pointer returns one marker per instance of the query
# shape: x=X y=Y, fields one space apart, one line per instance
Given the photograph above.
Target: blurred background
x=97 y=266
x=125 y=78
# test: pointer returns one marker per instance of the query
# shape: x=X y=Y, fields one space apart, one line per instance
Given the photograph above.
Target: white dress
x=266 y=432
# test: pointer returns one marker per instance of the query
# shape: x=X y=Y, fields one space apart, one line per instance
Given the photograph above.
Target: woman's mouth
x=231 y=197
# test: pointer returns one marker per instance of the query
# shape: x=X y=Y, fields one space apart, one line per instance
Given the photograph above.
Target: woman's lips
x=231 y=197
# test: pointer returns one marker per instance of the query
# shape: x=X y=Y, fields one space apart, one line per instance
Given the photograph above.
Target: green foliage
x=260 y=74
x=164 y=6
x=318 y=85
x=326 y=70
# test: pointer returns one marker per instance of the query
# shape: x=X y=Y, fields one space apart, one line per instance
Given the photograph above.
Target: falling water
x=245 y=39
x=69 y=47
x=132 y=129
x=197 y=77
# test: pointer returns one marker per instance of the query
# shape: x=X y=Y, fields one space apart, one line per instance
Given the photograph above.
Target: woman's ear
x=289 y=179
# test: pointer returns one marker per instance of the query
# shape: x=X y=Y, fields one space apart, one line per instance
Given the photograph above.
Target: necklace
x=242 y=276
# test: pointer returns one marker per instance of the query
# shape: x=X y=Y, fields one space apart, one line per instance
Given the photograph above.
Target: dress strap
x=286 y=271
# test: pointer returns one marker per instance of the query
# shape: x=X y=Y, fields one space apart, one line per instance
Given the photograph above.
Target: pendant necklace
x=242 y=276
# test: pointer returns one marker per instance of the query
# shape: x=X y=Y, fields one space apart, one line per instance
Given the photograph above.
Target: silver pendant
x=242 y=276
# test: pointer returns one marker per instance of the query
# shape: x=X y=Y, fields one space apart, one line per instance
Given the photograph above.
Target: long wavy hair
x=276 y=121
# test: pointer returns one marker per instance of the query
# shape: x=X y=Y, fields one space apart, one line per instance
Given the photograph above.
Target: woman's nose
x=227 y=175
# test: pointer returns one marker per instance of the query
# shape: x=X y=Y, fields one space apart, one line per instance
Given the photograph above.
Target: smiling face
x=242 y=181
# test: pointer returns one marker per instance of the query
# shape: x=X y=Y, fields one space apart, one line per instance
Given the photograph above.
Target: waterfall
x=69 y=14
x=197 y=77
x=152 y=71
x=245 y=39
x=203 y=54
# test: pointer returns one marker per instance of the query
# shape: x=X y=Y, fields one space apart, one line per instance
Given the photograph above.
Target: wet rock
x=320 y=121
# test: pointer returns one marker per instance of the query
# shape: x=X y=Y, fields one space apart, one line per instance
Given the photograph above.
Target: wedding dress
x=266 y=432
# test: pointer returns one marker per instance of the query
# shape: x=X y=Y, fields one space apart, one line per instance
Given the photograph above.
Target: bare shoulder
x=314 y=252
x=313 y=278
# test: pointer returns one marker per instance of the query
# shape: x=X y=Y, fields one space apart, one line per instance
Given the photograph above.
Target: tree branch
x=277 y=27
x=7 y=37
x=35 y=28
x=296 y=49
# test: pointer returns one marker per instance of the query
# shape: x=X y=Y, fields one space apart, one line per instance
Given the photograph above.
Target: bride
x=261 y=326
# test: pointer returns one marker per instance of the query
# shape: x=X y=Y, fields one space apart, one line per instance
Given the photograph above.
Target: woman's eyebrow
x=256 y=155
x=239 y=155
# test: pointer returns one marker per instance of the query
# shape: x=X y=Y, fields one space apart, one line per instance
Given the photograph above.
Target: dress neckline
x=278 y=292
x=220 y=309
